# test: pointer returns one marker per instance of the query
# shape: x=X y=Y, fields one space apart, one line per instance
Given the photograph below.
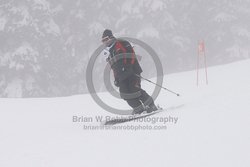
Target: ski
x=130 y=118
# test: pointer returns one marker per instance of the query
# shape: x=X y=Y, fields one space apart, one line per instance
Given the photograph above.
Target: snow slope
x=212 y=127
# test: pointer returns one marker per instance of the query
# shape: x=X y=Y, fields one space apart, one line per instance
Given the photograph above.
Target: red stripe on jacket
x=118 y=46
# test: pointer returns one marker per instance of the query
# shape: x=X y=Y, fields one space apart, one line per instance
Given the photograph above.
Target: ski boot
x=151 y=108
x=138 y=110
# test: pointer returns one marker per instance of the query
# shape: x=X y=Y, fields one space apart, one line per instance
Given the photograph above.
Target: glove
x=116 y=83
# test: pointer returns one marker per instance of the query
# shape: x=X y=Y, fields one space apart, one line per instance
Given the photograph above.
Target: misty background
x=45 y=45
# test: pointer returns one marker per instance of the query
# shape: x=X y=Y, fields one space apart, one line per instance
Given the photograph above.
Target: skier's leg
x=145 y=98
x=148 y=101
x=132 y=98
x=135 y=85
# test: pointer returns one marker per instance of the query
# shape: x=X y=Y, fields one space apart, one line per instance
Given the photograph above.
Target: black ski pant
x=131 y=91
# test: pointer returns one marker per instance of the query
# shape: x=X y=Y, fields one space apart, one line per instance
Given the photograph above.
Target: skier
x=127 y=70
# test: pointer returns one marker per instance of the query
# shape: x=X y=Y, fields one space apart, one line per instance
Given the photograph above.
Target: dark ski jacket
x=123 y=60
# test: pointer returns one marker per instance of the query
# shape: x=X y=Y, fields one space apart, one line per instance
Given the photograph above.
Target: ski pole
x=177 y=94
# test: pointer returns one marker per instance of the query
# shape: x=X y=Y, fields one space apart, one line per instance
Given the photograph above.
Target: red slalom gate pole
x=197 y=77
x=205 y=62
x=201 y=53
